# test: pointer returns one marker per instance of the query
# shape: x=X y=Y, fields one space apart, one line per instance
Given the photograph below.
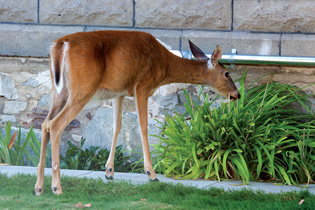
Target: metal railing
x=235 y=59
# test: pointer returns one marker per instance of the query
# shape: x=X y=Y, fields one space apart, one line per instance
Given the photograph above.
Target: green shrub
x=14 y=151
x=93 y=158
x=259 y=137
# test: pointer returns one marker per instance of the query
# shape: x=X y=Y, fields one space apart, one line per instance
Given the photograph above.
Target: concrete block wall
x=263 y=27
x=258 y=27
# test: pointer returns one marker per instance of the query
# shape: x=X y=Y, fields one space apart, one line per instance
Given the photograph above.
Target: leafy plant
x=33 y=151
x=93 y=158
x=13 y=150
x=259 y=137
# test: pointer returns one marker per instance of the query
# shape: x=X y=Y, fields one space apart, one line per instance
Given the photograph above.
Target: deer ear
x=216 y=55
x=198 y=54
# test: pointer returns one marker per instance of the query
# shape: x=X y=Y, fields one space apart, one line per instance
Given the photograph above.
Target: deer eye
x=227 y=74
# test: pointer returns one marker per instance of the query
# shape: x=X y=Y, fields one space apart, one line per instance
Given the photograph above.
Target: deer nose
x=235 y=95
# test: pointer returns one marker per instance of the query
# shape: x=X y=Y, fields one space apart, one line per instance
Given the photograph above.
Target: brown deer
x=114 y=64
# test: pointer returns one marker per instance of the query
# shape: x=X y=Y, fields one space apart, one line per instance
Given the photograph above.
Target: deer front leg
x=141 y=97
x=117 y=109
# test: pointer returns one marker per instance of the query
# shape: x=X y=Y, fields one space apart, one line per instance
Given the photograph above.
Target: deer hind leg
x=56 y=106
x=39 y=186
x=56 y=127
x=117 y=108
x=141 y=97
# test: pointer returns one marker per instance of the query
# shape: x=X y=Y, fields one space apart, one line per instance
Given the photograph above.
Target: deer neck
x=188 y=71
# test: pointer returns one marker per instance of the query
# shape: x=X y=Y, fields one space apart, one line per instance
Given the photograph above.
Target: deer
x=112 y=65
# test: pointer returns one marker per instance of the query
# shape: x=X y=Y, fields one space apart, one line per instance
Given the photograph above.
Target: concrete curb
x=135 y=178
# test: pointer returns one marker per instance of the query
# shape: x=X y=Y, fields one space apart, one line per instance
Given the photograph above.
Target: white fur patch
x=59 y=87
x=55 y=167
x=61 y=83
x=52 y=67
x=210 y=64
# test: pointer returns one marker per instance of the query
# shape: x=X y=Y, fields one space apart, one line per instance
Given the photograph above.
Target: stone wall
x=259 y=27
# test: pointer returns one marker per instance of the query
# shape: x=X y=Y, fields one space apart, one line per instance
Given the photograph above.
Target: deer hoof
x=109 y=177
x=38 y=191
x=110 y=169
x=154 y=180
x=57 y=191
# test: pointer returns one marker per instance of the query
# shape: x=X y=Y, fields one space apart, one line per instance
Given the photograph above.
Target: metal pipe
x=234 y=58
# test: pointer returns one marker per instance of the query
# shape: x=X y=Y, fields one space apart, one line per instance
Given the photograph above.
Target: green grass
x=16 y=192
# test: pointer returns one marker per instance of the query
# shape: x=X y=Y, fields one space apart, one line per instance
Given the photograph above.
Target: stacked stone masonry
x=257 y=27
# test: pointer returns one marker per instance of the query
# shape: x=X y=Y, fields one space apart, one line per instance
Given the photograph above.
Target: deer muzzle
x=235 y=95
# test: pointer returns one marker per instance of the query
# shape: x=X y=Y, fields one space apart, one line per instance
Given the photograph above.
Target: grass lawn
x=17 y=192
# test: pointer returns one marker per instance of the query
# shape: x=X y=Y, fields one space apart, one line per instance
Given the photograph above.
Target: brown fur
x=119 y=63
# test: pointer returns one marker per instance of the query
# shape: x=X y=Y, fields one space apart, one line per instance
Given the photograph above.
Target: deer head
x=219 y=78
